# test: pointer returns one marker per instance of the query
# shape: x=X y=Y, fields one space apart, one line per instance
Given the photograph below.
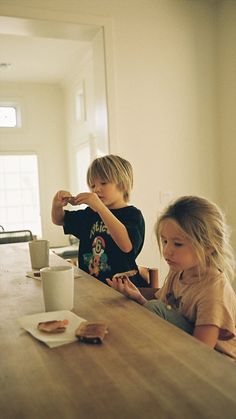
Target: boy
x=111 y=232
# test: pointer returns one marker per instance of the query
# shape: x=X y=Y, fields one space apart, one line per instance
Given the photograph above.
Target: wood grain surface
x=145 y=368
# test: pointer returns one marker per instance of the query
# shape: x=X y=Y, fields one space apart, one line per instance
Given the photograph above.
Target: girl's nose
x=168 y=250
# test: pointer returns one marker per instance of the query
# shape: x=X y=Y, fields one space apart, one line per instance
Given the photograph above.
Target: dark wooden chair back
x=150 y=275
x=15 y=236
x=152 y=278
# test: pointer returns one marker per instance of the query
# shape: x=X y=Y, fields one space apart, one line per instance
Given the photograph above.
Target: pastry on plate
x=53 y=326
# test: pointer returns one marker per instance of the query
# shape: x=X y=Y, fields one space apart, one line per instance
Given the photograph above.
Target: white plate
x=31 y=274
x=52 y=340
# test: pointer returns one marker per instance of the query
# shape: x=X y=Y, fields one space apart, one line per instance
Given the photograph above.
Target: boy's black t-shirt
x=99 y=255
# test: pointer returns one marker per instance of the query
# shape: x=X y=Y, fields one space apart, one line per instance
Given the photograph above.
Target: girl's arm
x=207 y=334
x=126 y=287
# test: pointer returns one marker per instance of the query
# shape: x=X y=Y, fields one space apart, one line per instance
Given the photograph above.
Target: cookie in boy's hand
x=89 y=332
x=71 y=200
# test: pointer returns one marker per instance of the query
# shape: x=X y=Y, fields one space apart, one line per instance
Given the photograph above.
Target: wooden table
x=145 y=368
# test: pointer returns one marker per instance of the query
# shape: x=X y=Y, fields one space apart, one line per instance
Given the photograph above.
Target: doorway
x=71 y=56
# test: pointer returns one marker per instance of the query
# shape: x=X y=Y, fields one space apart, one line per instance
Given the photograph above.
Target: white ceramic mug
x=39 y=253
x=58 y=287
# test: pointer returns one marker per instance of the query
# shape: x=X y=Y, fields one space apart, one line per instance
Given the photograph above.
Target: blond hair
x=115 y=169
x=203 y=223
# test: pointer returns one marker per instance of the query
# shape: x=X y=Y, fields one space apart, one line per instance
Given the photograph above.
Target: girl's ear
x=210 y=250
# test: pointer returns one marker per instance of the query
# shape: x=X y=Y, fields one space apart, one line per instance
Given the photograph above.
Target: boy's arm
x=57 y=212
x=116 y=228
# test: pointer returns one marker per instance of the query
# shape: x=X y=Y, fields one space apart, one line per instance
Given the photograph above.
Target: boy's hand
x=89 y=198
x=62 y=198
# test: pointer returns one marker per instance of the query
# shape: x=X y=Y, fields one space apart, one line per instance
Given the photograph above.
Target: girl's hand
x=89 y=198
x=126 y=287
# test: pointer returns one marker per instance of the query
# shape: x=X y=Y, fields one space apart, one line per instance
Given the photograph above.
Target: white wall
x=165 y=103
x=42 y=132
x=164 y=113
x=226 y=109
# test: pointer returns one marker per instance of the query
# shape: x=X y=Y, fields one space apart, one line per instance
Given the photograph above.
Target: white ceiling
x=38 y=59
x=40 y=51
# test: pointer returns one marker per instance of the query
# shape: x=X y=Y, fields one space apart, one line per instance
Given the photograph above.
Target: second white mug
x=39 y=253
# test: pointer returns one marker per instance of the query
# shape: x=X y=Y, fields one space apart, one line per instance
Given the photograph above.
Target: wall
x=166 y=103
x=164 y=115
x=43 y=132
x=226 y=109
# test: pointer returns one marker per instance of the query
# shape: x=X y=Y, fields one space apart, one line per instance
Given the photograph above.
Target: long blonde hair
x=203 y=223
x=111 y=168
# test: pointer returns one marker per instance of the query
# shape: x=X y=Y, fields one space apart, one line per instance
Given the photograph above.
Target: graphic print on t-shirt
x=172 y=301
x=97 y=260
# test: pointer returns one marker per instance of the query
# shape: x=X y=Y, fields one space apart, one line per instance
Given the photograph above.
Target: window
x=80 y=113
x=10 y=116
x=19 y=193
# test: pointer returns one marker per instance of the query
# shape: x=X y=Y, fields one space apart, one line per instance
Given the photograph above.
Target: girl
x=196 y=295
x=110 y=232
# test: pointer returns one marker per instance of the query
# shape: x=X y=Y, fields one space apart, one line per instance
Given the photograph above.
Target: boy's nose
x=96 y=189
